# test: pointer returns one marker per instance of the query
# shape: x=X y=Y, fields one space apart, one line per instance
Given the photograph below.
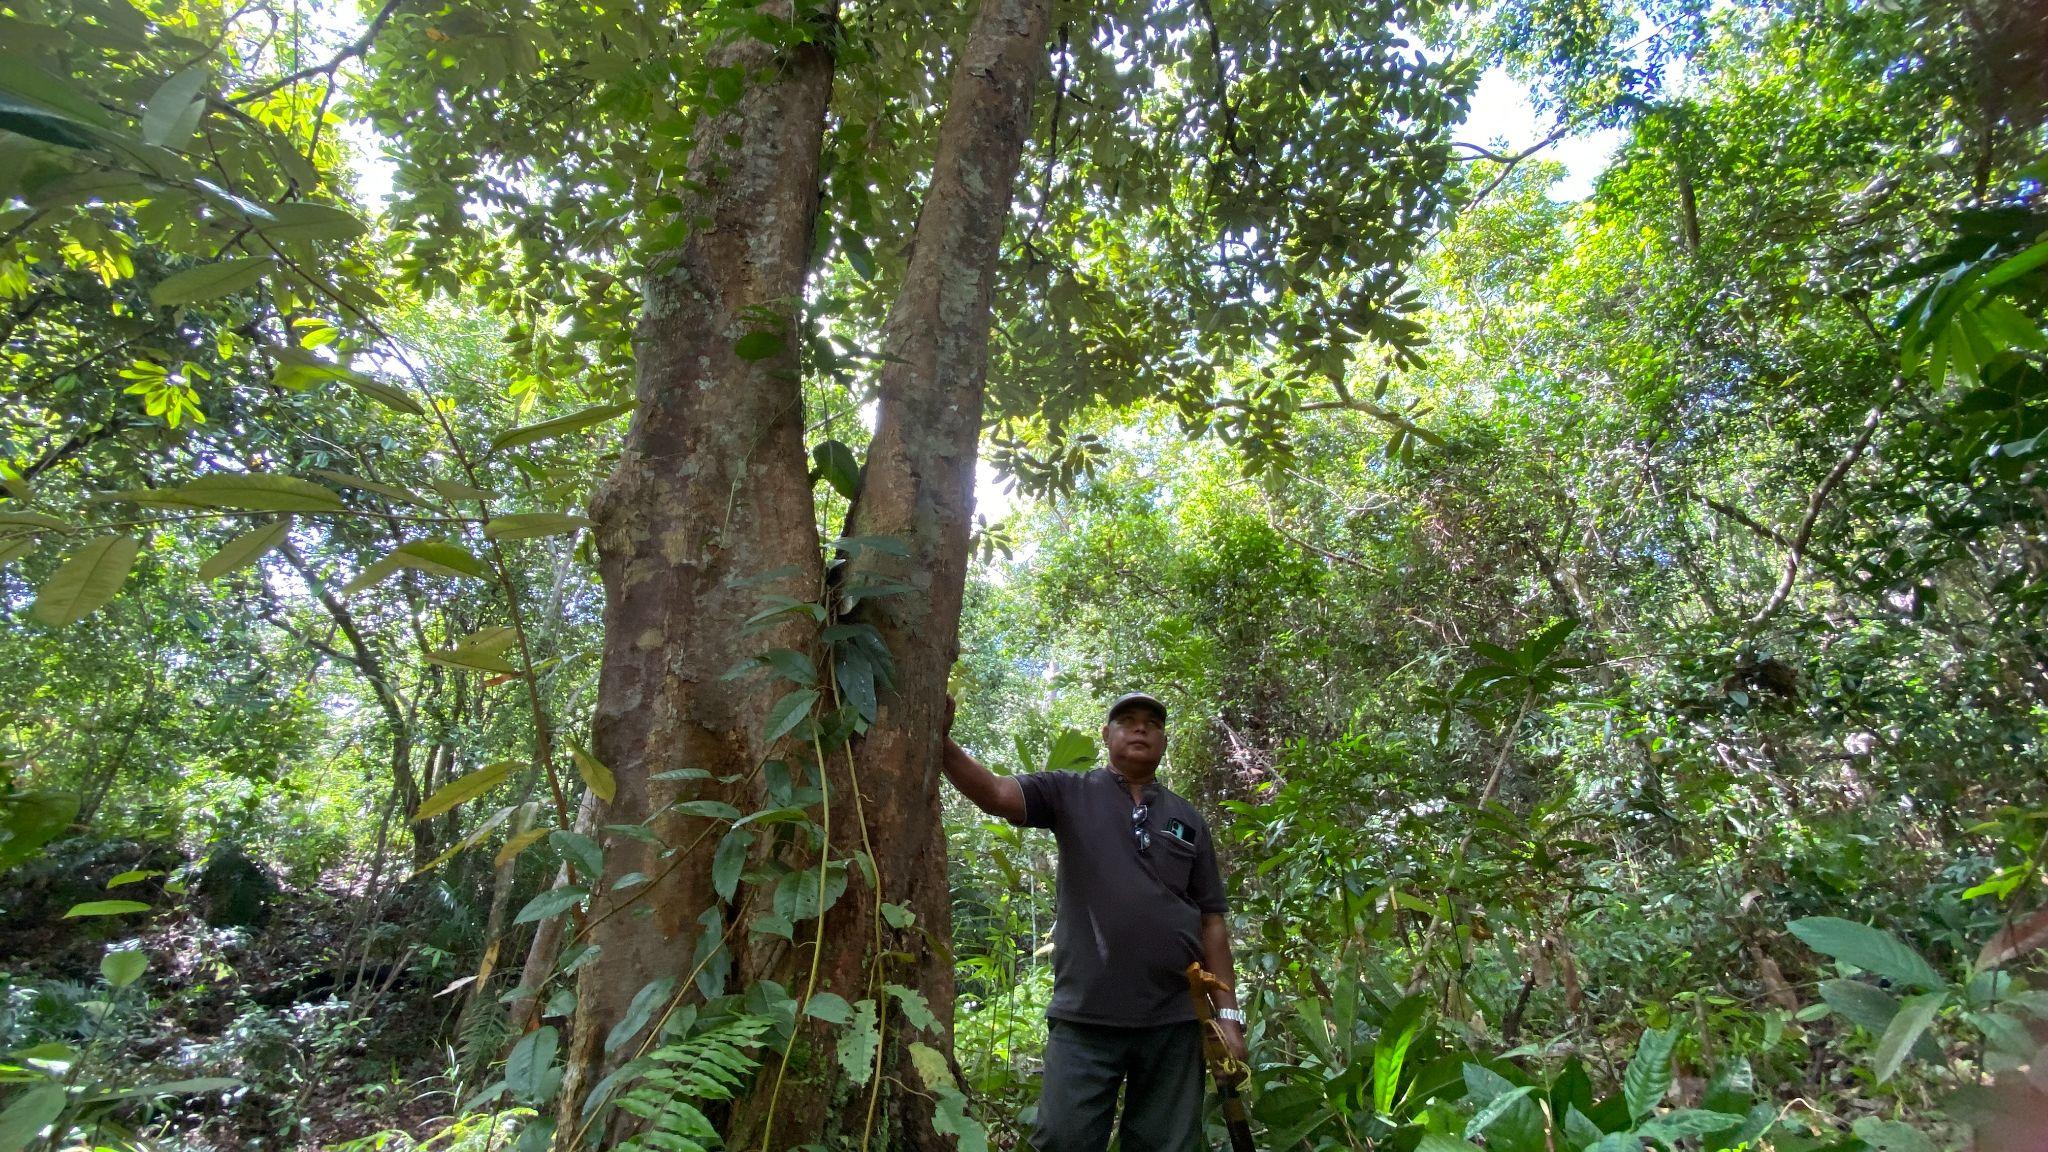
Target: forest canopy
x=499 y=505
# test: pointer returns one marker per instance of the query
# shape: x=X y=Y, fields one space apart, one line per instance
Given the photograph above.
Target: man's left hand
x=1233 y=1039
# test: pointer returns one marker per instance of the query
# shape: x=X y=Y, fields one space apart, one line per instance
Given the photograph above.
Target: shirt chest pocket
x=1173 y=861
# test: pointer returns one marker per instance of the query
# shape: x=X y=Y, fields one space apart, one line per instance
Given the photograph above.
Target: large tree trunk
x=710 y=491
x=919 y=489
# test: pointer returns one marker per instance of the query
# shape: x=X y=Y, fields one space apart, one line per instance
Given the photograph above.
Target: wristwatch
x=1234 y=1015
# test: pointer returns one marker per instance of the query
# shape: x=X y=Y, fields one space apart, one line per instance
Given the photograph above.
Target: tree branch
x=355 y=48
x=1814 y=504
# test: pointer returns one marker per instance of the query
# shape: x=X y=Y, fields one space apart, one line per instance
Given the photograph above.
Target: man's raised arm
x=996 y=795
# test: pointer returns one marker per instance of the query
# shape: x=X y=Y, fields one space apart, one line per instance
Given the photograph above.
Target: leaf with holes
x=858 y=1043
x=916 y=1008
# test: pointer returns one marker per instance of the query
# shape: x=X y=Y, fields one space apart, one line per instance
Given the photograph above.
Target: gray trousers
x=1159 y=1069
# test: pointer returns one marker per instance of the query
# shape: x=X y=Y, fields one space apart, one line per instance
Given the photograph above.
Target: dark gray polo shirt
x=1129 y=924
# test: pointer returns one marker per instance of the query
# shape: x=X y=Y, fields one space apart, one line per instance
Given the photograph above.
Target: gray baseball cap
x=1131 y=700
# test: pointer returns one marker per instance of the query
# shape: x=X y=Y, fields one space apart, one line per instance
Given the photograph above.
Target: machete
x=1227 y=1071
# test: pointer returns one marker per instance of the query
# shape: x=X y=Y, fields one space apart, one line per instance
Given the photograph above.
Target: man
x=1140 y=896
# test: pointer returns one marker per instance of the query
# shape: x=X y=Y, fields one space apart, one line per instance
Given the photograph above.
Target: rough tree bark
x=710 y=491
x=918 y=488
x=713 y=489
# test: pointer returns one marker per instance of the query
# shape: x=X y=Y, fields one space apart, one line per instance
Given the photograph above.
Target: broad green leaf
x=730 y=861
x=440 y=558
x=209 y=281
x=829 y=1007
x=526 y=1067
x=1071 y=752
x=645 y=1003
x=1867 y=948
x=123 y=968
x=1390 y=1052
x=29 y=820
x=135 y=876
x=529 y=525
x=560 y=425
x=1649 y=1075
x=1494 y=1109
x=789 y=712
x=581 y=851
x=303 y=220
x=1905 y=1030
x=30 y=520
x=105 y=908
x=243 y=492
x=552 y=902
x=596 y=776
x=1864 y=1005
x=173 y=112
x=758 y=345
x=836 y=464
x=709 y=809
x=51 y=127
x=36 y=1109
x=898 y=916
x=464 y=788
x=245 y=549
x=371 y=576
x=86 y=580
x=1439 y=1142
x=384 y=392
x=1680 y=1123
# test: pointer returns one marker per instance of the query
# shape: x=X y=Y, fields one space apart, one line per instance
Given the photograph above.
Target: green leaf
x=560 y=425
x=29 y=820
x=1494 y=1109
x=838 y=466
x=464 y=788
x=1905 y=1030
x=829 y=1007
x=303 y=220
x=1864 y=1005
x=384 y=392
x=644 y=1005
x=596 y=776
x=1867 y=948
x=440 y=558
x=1439 y=1142
x=858 y=1043
x=709 y=809
x=135 y=876
x=245 y=549
x=916 y=1008
x=209 y=281
x=581 y=851
x=512 y=847
x=243 y=492
x=529 y=525
x=105 y=908
x=788 y=713
x=32 y=1111
x=86 y=580
x=730 y=861
x=898 y=916
x=173 y=112
x=1649 y=1075
x=1071 y=752
x=37 y=123
x=31 y=520
x=1390 y=1051
x=123 y=968
x=1676 y=1125
x=1891 y=1135
x=552 y=902
x=759 y=344
x=526 y=1068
